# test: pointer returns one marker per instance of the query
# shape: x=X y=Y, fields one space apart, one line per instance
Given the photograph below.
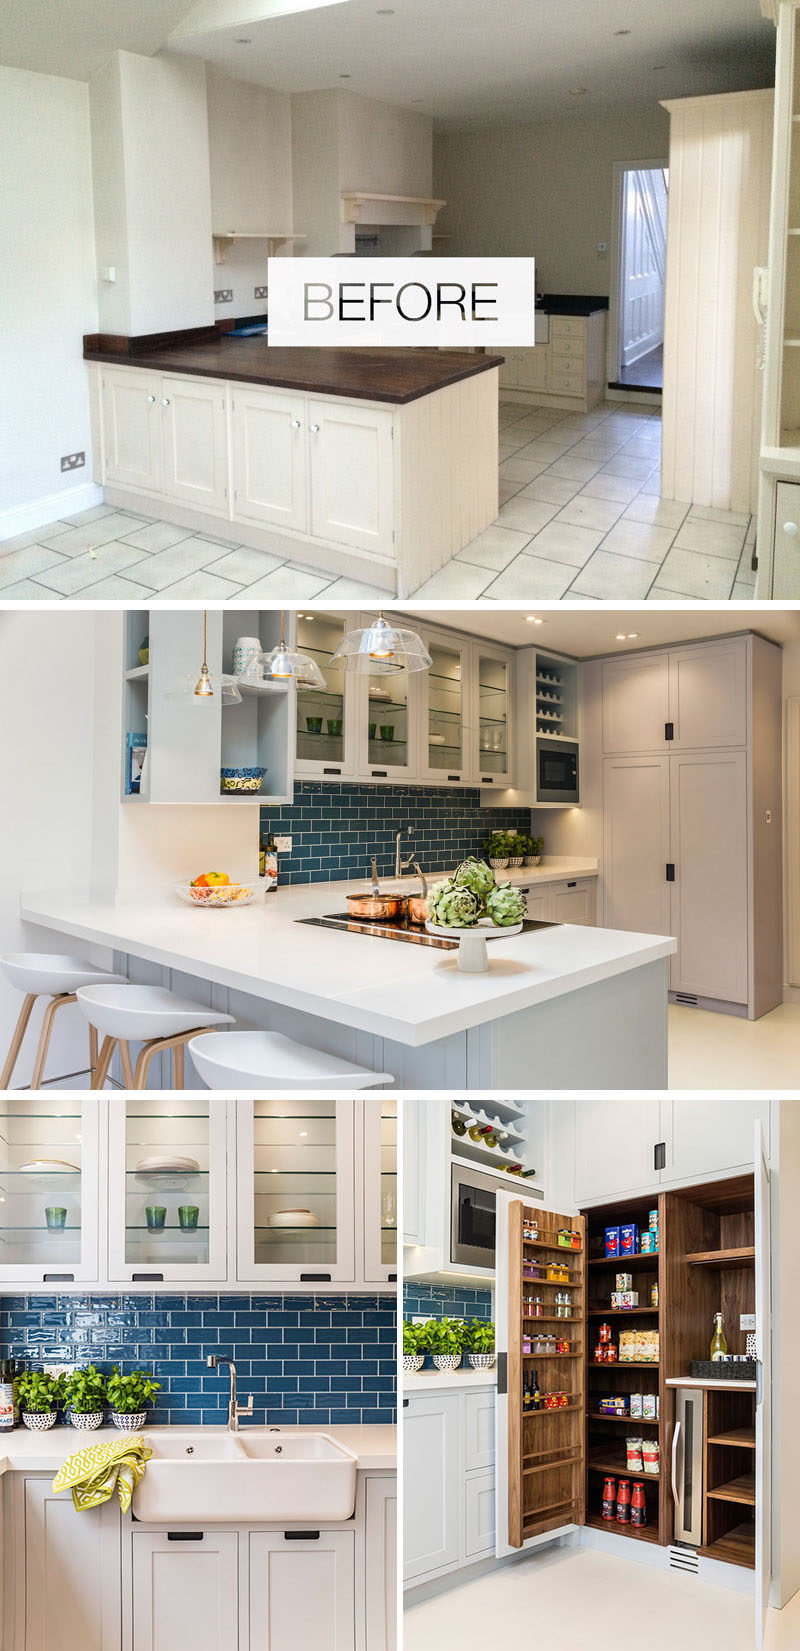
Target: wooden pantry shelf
x=601 y=1463
x=736 y=1547
x=639 y=1533
x=638 y=1421
x=744 y=1255
x=544 y=1515
x=570 y=1461
x=742 y=1489
x=623 y=1364
x=552 y=1355
x=739 y=1438
x=623 y=1262
x=620 y=1312
x=557 y=1410
x=552 y=1458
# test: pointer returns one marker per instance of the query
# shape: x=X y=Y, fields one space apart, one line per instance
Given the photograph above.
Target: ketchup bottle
x=624 y=1502
x=638 y=1504
x=610 y=1499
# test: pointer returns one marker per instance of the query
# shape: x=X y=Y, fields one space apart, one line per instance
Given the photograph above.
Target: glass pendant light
x=207 y=684
x=284 y=664
x=203 y=688
x=381 y=648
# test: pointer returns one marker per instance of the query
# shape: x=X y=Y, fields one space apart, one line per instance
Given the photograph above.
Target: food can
x=636 y=1404
x=647 y=1243
x=624 y=1281
x=649 y=1411
x=653 y=1221
x=653 y=1295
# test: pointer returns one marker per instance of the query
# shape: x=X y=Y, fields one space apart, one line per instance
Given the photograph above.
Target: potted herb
x=480 y=1344
x=39 y=1399
x=85 y=1397
x=533 y=852
x=444 y=1339
x=517 y=846
x=497 y=850
x=129 y=1397
x=413 y=1347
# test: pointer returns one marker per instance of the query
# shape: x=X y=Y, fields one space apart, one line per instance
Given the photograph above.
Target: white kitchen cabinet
x=568 y=371
x=708 y=695
x=491 y=719
x=431 y=1478
x=413 y=1173
x=479 y=1515
x=302 y=1588
x=71 y=1599
x=131 y=428
x=194 y=442
x=531 y=368
x=351 y=471
x=636 y=705
x=380 y=1564
x=636 y=844
x=614 y=1148
x=573 y=900
x=192 y=1245
x=269 y=450
x=379 y=1131
x=185 y=1590
x=478 y=1428
x=535 y=904
x=446 y=709
x=710 y=1137
x=63 y=1129
x=709 y=895
x=296 y=1157
x=327 y=737
x=388 y=721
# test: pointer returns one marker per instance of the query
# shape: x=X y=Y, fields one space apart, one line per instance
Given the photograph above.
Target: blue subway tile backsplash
x=445 y=1301
x=327 y=1358
x=335 y=829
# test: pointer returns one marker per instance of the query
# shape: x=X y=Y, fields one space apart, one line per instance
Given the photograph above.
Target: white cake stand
x=473 y=958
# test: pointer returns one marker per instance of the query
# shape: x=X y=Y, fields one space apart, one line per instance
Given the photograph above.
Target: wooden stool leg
x=127 y=1064
x=178 y=1066
x=92 y=1048
x=104 y=1061
x=145 y=1055
x=16 y=1042
x=50 y=1013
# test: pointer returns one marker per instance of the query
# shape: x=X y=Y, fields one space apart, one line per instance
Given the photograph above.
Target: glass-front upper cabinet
x=492 y=716
x=387 y=719
x=48 y=1189
x=445 y=689
x=380 y=1189
x=296 y=1167
x=326 y=736
x=167 y=1174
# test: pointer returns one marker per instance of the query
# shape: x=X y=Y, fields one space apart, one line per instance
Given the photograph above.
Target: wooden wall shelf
x=624 y=1263
x=742 y=1256
x=742 y=1490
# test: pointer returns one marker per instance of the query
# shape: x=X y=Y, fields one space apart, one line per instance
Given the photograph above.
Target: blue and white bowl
x=87 y=1419
x=39 y=1421
x=241 y=779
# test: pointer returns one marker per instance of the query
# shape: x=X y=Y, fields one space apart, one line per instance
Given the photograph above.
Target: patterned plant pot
x=482 y=1361
x=39 y=1421
x=514 y=861
x=86 y=1419
x=498 y=865
x=533 y=859
x=447 y=1361
x=413 y=1362
x=129 y=1421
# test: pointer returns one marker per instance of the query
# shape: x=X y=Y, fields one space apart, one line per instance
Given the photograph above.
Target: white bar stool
x=149 y=1015
x=47 y=974
x=268 y=1060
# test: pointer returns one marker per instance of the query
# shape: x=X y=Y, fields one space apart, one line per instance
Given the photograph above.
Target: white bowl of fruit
x=216 y=889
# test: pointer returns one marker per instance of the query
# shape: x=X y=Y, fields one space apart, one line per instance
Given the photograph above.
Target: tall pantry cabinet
x=691 y=814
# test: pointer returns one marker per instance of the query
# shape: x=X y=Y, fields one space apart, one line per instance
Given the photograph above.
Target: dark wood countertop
x=396 y=376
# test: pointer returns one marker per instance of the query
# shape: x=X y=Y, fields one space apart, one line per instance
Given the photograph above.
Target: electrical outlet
x=283 y=845
x=73 y=461
x=223 y=295
x=260 y=292
x=747 y=1321
x=108 y=272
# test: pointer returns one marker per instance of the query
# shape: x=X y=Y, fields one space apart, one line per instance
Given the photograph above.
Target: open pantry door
x=763 y=1510
x=540 y=1415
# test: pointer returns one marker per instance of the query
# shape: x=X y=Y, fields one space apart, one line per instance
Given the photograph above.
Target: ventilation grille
x=684 y=1559
x=686 y=997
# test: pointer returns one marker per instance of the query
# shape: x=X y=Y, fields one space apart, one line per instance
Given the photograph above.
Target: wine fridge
x=687 y=1466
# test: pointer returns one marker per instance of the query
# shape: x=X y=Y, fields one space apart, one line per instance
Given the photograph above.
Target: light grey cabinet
x=184 y=1592
x=573 y=900
x=636 y=837
x=635 y=703
x=302 y=1591
x=614 y=1143
x=708 y=808
x=431 y=1479
x=380 y=1564
x=62 y=1549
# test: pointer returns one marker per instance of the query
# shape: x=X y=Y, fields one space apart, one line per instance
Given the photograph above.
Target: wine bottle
x=476 y=1132
x=458 y=1125
x=719 y=1345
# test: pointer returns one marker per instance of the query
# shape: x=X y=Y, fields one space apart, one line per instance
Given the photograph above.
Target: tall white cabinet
x=691 y=814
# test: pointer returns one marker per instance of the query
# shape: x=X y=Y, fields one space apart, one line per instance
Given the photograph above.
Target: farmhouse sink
x=246 y=1478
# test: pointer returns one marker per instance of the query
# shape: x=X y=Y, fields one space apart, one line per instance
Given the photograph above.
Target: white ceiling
x=465 y=62
x=475 y=62
x=585 y=632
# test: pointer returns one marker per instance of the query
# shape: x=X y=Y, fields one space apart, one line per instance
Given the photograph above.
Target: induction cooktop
x=399 y=928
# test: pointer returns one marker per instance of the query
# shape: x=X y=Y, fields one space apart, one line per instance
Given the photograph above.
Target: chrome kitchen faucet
x=234 y=1410
x=401 y=865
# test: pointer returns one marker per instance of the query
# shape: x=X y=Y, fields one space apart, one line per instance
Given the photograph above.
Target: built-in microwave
x=557 y=776
x=473 y=1216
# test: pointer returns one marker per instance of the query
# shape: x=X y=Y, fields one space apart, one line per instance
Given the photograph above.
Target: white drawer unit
x=568 y=371
x=574 y=900
x=567 y=326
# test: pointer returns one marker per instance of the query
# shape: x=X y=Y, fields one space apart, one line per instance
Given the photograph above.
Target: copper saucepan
x=418 y=903
x=373 y=907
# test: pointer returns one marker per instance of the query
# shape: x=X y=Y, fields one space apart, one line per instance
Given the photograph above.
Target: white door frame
x=619 y=168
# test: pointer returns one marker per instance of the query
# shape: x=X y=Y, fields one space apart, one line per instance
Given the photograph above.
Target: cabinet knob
x=296 y=424
x=165 y=401
x=788 y=527
x=151 y=400
x=314 y=428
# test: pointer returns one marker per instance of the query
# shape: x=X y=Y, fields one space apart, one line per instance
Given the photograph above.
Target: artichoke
x=475 y=875
x=505 y=905
x=453 y=908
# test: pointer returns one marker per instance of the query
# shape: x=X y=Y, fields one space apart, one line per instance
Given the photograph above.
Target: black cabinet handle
x=392 y=1279
x=485 y=781
x=315 y=1278
x=331 y=770
x=669 y=730
x=147 y=1278
x=660 y=1155
x=670 y=872
x=572 y=885
x=406 y=1403
x=185 y=1536
x=58 y=1278
x=301 y=1536
x=502 y=1372
x=380 y=773
x=455 y=777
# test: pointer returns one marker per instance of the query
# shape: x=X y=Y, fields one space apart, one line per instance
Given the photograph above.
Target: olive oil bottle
x=719 y=1345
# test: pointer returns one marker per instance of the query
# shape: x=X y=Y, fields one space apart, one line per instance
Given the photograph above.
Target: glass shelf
x=295 y=1167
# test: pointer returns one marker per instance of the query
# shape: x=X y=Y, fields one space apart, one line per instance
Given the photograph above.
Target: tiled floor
x=580 y=518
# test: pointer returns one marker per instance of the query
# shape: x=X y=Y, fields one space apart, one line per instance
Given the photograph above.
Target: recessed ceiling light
x=620 y=637
x=244 y=40
x=631 y=635
x=385 y=11
x=345 y=77
x=531 y=619
x=622 y=31
x=577 y=91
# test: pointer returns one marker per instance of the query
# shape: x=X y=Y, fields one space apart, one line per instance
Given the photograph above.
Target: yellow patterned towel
x=94 y=1473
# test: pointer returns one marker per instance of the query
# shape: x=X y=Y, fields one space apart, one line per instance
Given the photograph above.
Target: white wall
x=47 y=297
x=341 y=141
x=108 y=183
x=542 y=189
x=315 y=172
x=250 y=146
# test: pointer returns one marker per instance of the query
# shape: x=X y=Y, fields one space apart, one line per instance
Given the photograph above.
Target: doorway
x=636 y=333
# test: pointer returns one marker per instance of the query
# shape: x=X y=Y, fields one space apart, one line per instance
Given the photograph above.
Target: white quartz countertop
x=441 y=1381
x=375 y=1445
x=413 y=994
x=709 y=1382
